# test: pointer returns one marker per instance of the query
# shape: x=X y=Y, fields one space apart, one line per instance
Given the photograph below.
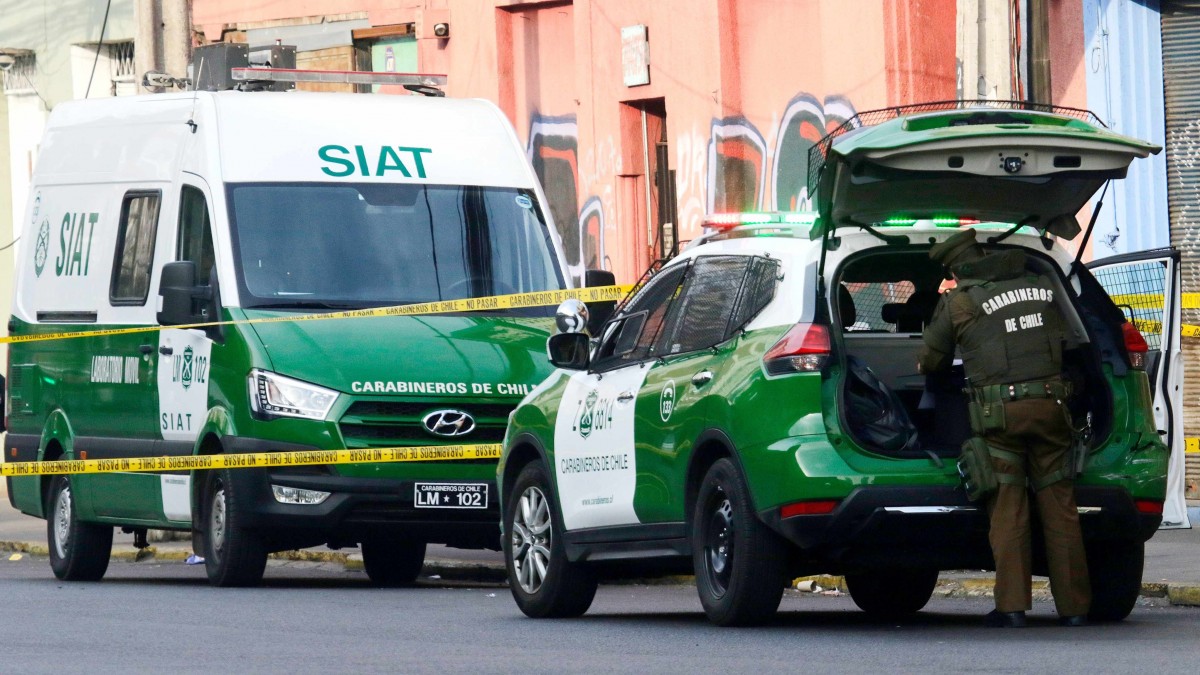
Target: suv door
x=720 y=294
x=1145 y=286
x=595 y=466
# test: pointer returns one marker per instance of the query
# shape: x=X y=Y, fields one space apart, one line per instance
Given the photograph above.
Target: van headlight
x=273 y=395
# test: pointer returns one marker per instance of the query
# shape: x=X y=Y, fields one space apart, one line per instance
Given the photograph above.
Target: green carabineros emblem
x=41 y=250
x=589 y=411
x=185 y=374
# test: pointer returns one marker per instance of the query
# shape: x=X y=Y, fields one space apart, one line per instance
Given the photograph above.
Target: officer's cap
x=960 y=248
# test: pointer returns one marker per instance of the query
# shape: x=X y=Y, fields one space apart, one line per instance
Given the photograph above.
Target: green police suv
x=754 y=410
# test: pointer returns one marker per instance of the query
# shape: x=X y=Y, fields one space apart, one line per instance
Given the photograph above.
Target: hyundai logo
x=449 y=423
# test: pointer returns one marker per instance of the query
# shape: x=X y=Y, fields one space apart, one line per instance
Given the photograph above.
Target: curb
x=1184 y=595
x=1180 y=594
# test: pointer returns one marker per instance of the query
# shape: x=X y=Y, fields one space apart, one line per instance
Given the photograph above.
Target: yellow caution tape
x=1153 y=300
x=255 y=460
x=494 y=302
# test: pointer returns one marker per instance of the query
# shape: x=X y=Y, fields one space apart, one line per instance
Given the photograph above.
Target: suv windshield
x=319 y=246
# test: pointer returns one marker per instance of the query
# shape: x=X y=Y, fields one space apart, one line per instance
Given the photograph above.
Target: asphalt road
x=320 y=618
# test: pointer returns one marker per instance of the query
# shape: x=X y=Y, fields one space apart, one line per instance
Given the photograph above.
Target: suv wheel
x=543 y=582
x=79 y=551
x=740 y=563
x=1115 y=570
x=892 y=593
x=392 y=562
x=233 y=554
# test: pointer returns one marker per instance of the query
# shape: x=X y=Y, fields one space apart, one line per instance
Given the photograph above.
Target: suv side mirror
x=569 y=350
x=178 y=290
x=599 y=312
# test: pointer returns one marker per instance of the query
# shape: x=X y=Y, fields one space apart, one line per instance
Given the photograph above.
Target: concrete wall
x=6 y=256
x=51 y=27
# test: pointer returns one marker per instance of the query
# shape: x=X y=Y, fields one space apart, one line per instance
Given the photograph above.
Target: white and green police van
x=225 y=206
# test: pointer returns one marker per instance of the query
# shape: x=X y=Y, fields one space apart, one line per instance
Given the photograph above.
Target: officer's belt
x=1001 y=393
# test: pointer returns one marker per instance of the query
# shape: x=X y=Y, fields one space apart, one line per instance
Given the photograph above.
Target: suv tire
x=892 y=594
x=393 y=562
x=233 y=554
x=543 y=582
x=740 y=563
x=79 y=551
x=1115 y=571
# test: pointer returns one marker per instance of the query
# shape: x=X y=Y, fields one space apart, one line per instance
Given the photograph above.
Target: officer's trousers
x=1037 y=430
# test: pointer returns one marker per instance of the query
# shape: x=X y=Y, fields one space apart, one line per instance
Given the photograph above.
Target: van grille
x=378 y=424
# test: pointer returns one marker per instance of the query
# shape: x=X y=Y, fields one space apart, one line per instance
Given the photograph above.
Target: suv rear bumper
x=936 y=527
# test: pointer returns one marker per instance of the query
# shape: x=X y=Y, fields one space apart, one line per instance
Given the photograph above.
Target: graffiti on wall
x=805 y=121
x=739 y=164
x=730 y=166
x=554 y=152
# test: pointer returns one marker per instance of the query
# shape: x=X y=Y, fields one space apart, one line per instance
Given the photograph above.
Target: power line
x=99 y=46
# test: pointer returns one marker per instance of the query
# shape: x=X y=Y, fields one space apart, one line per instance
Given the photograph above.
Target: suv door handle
x=625 y=397
x=702 y=378
x=165 y=350
x=145 y=349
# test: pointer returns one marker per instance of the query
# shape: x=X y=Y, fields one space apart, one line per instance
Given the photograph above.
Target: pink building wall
x=746 y=87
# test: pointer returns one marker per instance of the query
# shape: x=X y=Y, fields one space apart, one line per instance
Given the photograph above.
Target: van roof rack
x=421 y=83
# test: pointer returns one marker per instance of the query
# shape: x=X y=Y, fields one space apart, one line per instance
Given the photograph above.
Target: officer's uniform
x=1010 y=333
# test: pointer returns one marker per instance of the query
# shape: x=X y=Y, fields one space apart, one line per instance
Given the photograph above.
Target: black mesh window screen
x=720 y=294
x=643 y=316
x=1137 y=288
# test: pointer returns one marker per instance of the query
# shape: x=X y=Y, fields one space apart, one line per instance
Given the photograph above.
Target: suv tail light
x=1135 y=345
x=804 y=349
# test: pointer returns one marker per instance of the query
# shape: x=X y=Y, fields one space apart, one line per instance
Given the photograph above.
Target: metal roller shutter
x=1181 y=85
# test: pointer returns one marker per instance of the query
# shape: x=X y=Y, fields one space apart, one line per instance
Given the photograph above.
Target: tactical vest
x=1017 y=333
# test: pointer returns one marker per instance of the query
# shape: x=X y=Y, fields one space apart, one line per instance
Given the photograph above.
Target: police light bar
x=336 y=76
x=932 y=222
x=722 y=222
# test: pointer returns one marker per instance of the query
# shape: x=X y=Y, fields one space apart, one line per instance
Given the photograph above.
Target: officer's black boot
x=998 y=619
x=1073 y=621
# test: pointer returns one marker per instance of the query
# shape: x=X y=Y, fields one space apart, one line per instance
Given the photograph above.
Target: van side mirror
x=599 y=312
x=569 y=350
x=180 y=295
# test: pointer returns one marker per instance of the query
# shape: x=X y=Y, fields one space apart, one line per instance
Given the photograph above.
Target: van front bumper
x=357 y=509
x=936 y=526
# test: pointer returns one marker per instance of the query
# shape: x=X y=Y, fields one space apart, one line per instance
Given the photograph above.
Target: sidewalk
x=1172 y=567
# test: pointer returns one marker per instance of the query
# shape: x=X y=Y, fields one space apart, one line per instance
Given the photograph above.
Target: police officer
x=1010 y=331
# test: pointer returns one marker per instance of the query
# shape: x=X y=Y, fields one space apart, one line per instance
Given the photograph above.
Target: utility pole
x=177 y=36
x=147 y=45
x=1040 y=90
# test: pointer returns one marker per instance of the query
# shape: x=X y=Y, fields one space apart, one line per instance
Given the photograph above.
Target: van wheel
x=233 y=554
x=79 y=551
x=1115 y=571
x=740 y=563
x=543 y=582
x=391 y=562
x=892 y=593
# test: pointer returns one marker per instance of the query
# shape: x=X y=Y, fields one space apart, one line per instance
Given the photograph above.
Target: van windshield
x=320 y=246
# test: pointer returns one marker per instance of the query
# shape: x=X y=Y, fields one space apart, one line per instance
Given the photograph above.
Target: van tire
x=1115 y=572
x=568 y=588
x=740 y=563
x=393 y=562
x=891 y=594
x=234 y=555
x=79 y=551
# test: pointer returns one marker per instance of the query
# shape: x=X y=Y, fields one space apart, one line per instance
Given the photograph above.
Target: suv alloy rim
x=62 y=522
x=718 y=544
x=216 y=521
x=531 y=540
